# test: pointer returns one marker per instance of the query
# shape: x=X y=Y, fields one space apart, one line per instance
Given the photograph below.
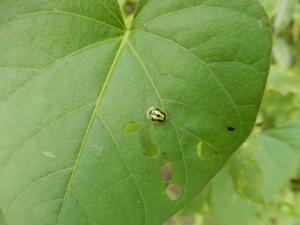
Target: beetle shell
x=155 y=114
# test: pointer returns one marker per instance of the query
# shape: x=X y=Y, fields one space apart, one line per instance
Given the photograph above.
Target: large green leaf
x=285 y=10
x=77 y=80
x=228 y=206
x=279 y=148
x=246 y=173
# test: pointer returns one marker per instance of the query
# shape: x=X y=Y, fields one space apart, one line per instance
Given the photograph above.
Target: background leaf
x=246 y=173
x=285 y=9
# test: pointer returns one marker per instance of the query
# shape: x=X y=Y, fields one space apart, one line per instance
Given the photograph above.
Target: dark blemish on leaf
x=173 y=191
x=295 y=180
x=150 y=148
x=131 y=126
x=230 y=129
x=259 y=124
x=130 y=7
x=295 y=184
x=155 y=114
x=205 y=151
x=166 y=172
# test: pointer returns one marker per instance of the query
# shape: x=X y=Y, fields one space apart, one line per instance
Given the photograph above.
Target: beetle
x=155 y=114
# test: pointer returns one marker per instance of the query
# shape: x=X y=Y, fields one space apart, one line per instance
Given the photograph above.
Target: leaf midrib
x=91 y=122
x=66 y=14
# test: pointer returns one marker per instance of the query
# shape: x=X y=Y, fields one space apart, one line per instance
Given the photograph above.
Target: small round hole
x=230 y=129
x=131 y=126
x=205 y=151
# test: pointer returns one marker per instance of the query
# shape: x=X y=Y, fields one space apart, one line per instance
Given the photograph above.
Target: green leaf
x=246 y=173
x=297 y=14
x=278 y=109
x=284 y=81
x=266 y=162
x=270 y=6
x=228 y=206
x=285 y=10
x=74 y=74
x=282 y=53
x=279 y=157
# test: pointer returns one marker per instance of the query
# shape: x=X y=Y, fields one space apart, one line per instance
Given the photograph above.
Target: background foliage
x=260 y=185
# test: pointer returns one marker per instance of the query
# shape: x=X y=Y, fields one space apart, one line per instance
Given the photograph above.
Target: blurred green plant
x=260 y=185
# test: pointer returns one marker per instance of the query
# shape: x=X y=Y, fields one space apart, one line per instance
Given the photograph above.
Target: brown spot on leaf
x=130 y=7
x=173 y=191
x=166 y=172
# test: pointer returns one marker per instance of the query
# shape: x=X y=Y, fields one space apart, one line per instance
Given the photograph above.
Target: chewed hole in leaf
x=130 y=7
x=205 y=151
x=173 y=191
x=150 y=148
x=166 y=172
x=131 y=126
x=231 y=129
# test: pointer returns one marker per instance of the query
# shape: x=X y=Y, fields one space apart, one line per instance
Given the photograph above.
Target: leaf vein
x=66 y=14
x=198 y=7
x=162 y=103
x=124 y=163
x=212 y=72
x=42 y=70
x=90 y=124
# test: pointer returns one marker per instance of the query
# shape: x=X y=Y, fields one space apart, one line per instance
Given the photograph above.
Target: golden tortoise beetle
x=155 y=114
